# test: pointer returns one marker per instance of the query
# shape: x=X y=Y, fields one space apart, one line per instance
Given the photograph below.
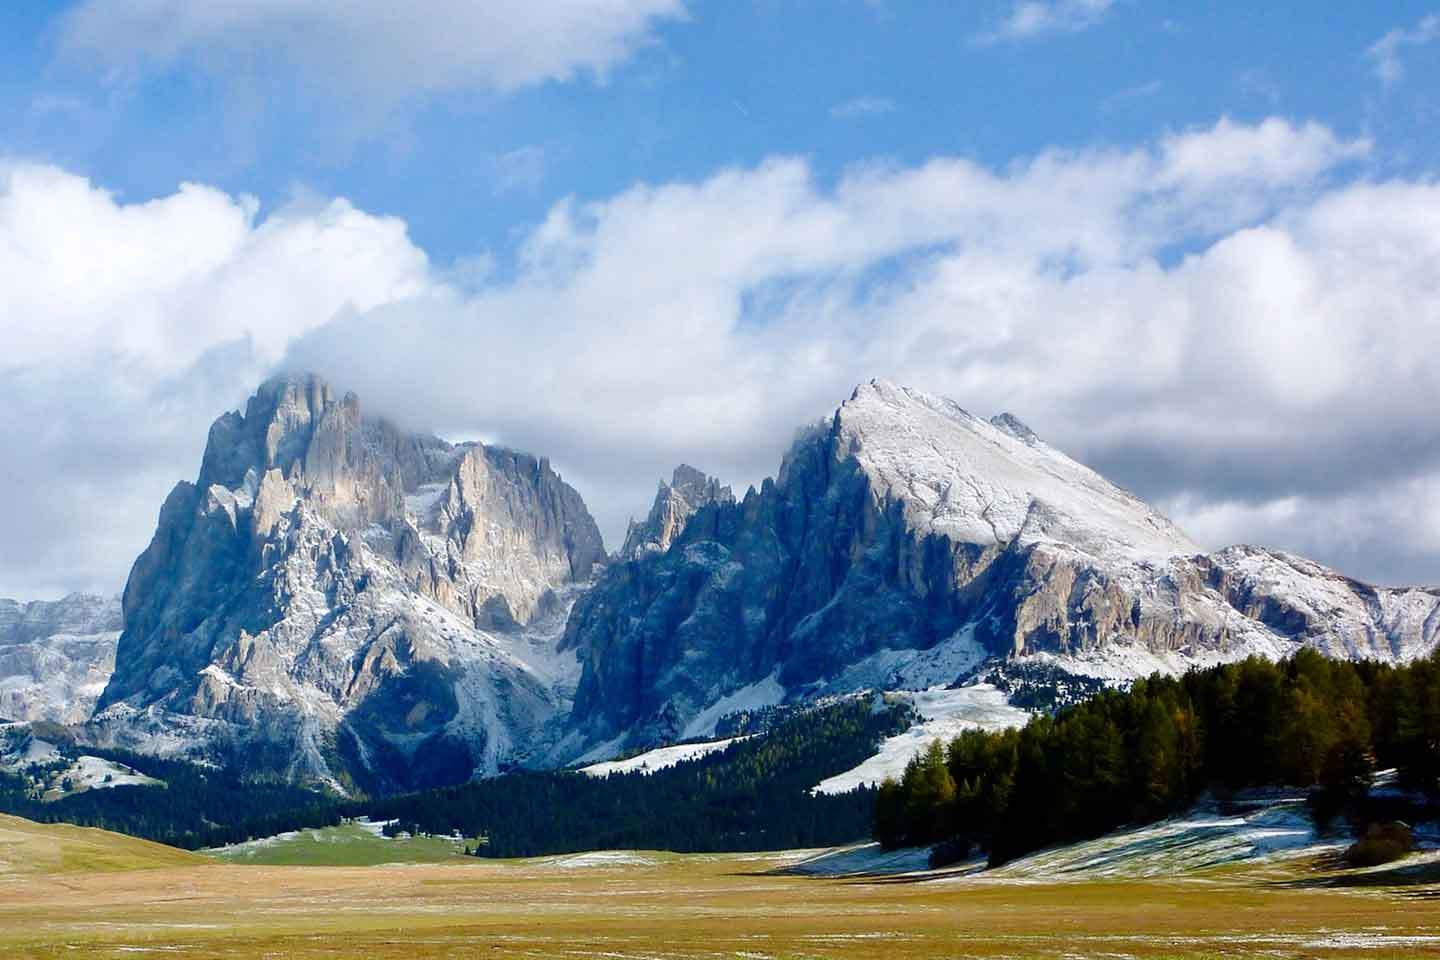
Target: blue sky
x=1196 y=246
x=838 y=81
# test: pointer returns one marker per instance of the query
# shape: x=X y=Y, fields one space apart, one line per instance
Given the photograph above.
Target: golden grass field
x=67 y=892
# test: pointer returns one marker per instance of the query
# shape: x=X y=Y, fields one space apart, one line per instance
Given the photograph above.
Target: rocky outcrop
x=904 y=542
x=675 y=503
x=56 y=656
x=339 y=600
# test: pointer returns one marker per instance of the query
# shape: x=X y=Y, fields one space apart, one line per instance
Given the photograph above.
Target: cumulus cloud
x=128 y=327
x=1225 y=321
x=1033 y=18
x=376 y=48
x=1388 y=53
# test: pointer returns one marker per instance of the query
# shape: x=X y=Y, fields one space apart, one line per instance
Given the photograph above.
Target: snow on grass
x=354 y=843
x=93 y=773
x=376 y=828
x=756 y=696
x=596 y=859
x=659 y=759
x=862 y=858
x=944 y=714
x=1209 y=835
x=1271 y=825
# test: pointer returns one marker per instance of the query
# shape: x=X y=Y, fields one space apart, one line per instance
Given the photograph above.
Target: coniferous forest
x=1140 y=755
x=754 y=795
x=197 y=806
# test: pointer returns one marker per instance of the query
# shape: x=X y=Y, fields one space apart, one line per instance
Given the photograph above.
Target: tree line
x=1135 y=756
x=197 y=807
x=753 y=795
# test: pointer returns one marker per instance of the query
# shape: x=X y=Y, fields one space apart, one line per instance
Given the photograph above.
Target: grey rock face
x=675 y=502
x=341 y=601
x=56 y=656
x=905 y=541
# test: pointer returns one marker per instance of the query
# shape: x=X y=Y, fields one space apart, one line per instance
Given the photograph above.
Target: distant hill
x=27 y=848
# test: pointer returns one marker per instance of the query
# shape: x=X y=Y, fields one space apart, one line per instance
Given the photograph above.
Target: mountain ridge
x=907 y=541
x=339 y=601
x=56 y=656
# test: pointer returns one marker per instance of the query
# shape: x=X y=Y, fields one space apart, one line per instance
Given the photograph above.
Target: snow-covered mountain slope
x=661 y=758
x=56 y=656
x=339 y=601
x=944 y=714
x=993 y=482
x=906 y=542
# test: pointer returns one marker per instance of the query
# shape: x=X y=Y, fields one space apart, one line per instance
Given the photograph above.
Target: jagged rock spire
x=675 y=503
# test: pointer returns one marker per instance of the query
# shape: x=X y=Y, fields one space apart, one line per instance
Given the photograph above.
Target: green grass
x=28 y=848
x=347 y=845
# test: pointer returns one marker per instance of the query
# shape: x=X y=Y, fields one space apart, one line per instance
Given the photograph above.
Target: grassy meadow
x=346 y=845
x=66 y=892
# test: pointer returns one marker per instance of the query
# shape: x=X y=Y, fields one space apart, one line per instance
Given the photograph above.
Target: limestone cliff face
x=675 y=503
x=56 y=656
x=342 y=601
x=904 y=542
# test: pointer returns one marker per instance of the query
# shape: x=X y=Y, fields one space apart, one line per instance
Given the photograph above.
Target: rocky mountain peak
x=675 y=503
x=1012 y=425
x=336 y=599
x=986 y=482
x=56 y=655
x=907 y=542
x=327 y=566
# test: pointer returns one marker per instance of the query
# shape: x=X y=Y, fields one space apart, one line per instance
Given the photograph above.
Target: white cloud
x=1387 y=53
x=128 y=327
x=1033 y=18
x=861 y=108
x=374 y=48
x=520 y=169
x=1277 y=379
x=1270 y=154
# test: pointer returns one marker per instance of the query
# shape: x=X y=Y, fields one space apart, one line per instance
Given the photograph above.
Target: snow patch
x=756 y=696
x=1209 y=835
x=659 y=759
x=597 y=858
x=944 y=714
x=862 y=858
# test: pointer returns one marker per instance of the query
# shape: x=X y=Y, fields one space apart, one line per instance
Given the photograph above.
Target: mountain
x=675 y=503
x=906 y=541
x=55 y=656
x=341 y=601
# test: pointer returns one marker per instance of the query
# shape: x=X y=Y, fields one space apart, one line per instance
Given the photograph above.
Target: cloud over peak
x=1273 y=382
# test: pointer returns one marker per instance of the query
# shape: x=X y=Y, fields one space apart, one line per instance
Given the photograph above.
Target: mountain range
x=339 y=601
